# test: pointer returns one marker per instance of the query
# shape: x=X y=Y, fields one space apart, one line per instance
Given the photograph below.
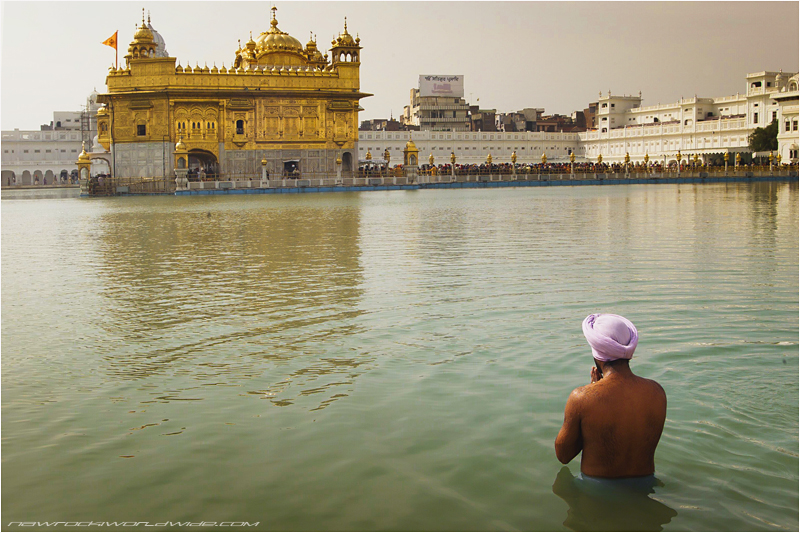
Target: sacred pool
x=393 y=360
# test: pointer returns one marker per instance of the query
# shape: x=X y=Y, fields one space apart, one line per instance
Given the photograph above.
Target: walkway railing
x=120 y=186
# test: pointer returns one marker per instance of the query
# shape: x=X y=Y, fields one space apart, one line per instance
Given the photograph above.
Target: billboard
x=452 y=86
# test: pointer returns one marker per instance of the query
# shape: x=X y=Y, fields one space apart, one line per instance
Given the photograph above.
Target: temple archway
x=203 y=160
x=347 y=162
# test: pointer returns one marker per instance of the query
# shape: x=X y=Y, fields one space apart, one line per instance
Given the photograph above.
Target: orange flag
x=112 y=41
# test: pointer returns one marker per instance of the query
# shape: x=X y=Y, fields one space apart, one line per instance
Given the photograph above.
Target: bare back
x=616 y=422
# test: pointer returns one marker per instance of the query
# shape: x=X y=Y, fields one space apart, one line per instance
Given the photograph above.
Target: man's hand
x=595 y=375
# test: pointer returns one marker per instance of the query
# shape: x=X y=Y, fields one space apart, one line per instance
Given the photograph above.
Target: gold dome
x=83 y=157
x=180 y=147
x=275 y=39
x=143 y=33
x=411 y=146
x=345 y=39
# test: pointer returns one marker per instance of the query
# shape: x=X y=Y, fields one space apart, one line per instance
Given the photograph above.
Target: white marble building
x=705 y=126
x=468 y=146
x=708 y=127
x=31 y=157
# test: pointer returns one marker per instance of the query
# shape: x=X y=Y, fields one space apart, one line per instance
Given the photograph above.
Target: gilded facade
x=279 y=100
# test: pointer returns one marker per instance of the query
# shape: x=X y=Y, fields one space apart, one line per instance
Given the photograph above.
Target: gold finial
x=142 y=16
x=345 y=24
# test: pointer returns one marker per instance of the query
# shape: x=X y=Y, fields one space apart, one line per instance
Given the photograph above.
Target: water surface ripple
x=393 y=360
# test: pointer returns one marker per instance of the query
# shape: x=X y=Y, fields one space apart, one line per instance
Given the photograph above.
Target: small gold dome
x=180 y=147
x=345 y=39
x=143 y=34
x=83 y=157
x=411 y=146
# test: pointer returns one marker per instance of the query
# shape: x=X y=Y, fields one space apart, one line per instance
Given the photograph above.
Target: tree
x=764 y=139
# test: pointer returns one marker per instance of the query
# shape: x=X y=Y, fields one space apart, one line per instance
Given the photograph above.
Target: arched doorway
x=49 y=177
x=205 y=161
x=26 y=177
x=291 y=168
x=347 y=162
x=37 y=177
x=101 y=165
x=9 y=177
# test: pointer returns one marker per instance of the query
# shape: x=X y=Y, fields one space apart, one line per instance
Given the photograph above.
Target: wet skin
x=616 y=421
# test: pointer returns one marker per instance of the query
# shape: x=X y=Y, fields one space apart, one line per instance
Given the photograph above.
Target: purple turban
x=610 y=336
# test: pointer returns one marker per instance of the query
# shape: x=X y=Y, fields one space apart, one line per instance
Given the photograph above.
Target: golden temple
x=279 y=102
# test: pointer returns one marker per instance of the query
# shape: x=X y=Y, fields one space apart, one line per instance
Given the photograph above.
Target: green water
x=393 y=360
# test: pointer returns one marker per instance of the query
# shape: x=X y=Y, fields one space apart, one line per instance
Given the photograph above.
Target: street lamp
x=771 y=157
x=514 y=163
x=627 y=161
x=726 y=157
x=646 y=159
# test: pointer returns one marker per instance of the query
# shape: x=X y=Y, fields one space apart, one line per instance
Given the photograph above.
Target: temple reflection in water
x=281 y=281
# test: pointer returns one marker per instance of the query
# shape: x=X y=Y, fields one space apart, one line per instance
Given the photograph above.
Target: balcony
x=452 y=107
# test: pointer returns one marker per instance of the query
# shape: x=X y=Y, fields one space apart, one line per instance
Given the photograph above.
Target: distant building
x=524 y=120
x=382 y=124
x=36 y=157
x=482 y=119
x=438 y=104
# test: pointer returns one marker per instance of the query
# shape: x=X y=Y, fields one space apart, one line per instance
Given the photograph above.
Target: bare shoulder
x=581 y=395
x=655 y=386
x=655 y=391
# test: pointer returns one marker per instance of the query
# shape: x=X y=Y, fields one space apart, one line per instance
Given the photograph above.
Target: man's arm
x=569 y=441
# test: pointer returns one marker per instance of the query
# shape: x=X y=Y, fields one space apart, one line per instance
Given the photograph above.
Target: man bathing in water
x=617 y=419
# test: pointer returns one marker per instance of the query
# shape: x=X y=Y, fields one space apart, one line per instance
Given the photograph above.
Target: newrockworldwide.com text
x=134 y=524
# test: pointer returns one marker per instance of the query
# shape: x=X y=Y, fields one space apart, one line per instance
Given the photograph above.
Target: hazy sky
x=512 y=54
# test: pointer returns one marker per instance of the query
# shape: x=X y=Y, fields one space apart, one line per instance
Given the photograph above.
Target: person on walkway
x=617 y=419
